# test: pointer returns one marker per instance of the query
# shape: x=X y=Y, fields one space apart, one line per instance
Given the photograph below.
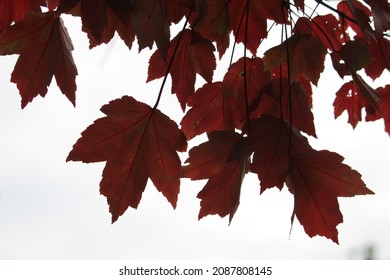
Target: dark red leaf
x=317 y=179
x=259 y=13
x=326 y=28
x=300 y=4
x=380 y=10
x=221 y=106
x=210 y=110
x=369 y=94
x=45 y=51
x=352 y=56
x=221 y=194
x=138 y=143
x=212 y=22
x=195 y=55
x=356 y=54
x=234 y=84
x=272 y=139
x=353 y=96
x=361 y=15
x=177 y=9
x=257 y=22
x=306 y=57
x=380 y=50
x=52 y=4
x=66 y=6
x=101 y=19
x=14 y=11
x=150 y=23
x=114 y=23
x=349 y=99
x=298 y=106
x=271 y=10
x=94 y=16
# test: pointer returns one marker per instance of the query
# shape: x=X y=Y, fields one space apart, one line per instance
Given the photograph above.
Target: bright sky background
x=50 y=209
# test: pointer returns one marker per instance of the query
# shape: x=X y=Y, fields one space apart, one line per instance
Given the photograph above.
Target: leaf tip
x=114 y=218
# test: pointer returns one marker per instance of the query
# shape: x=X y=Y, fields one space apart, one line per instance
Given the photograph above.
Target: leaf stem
x=245 y=68
x=341 y=14
x=173 y=56
x=288 y=81
x=322 y=31
x=237 y=32
x=281 y=80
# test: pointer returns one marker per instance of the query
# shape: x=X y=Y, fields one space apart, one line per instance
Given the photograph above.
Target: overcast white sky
x=50 y=209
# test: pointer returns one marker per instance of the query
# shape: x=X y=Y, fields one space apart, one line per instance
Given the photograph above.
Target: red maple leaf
x=352 y=56
x=52 y=4
x=210 y=110
x=317 y=179
x=114 y=24
x=221 y=194
x=306 y=56
x=348 y=98
x=326 y=28
x=353 y=96
x=256 y=26
x=45 y=51
x=257 y=22
x=177 y=9
x=257 y=77
x=287 y=102
x=94 y=16
x=138 y=143
x=212 y=22
x=195 y=55
x=221 y=106
x=361 y=15
x=234 y=84
x=14 y=11
x=300 y=4
x=380 y=10
x=101 y=19
x=272 y=141
x=150 y=23
x=371 y=97
x=380 y=51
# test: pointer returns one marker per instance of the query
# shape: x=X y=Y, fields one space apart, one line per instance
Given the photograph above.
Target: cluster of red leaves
x=254 y=118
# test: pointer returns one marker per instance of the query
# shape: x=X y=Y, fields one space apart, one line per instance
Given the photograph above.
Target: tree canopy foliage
x=257 y=118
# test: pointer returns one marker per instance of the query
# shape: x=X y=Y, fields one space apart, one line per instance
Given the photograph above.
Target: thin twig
x=245 y=70
x=237 y=32
x=173 y=56
x=288 y=81
x=341 y=14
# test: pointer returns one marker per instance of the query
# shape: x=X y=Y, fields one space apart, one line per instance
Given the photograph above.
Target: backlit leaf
x=221 y=194
x=380 y=51
x=380 y=10
x=212 y=22
x=150 y=23
x=194 y=56
x=137 y=143
x=317 y=179
x=14 y=11
x=306 y=55
x=210 y=110
x=272 y=140
x=45 y=51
